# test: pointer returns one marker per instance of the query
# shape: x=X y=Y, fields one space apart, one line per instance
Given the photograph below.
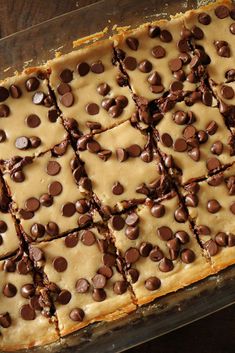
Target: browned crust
x=144 y=300
x=121 y=312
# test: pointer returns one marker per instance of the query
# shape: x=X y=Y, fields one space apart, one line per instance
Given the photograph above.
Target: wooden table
x=214 y=334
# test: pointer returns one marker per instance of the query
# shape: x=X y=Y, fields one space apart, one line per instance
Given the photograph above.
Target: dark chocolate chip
x=154 y=31
x=120 y=287
x=213 y=163
x=66 y=76
x=99 y=281
x=77 y=314
x=158 y=52
x=166 y=140
x=204 y=18
x=98 y=295
x=181 y=215
x=27 y=313
x=145 y=249
x=132 y=43
x=9 y=290
x=52 y=228
x=53 y=168
x=182 y=236
x=68 y=209
x=103 y=89
x=165 y=36
x=221 y=11
x=132 y=233
x=132 y=255
x=92 y=108
x=217 y=148
x=83 y=68
x=32 y=84
x=130 y=63
x=165 y=265
x=60 y=264
x=27 y=290
x=117 y=188
x=145 y=66
x=152 y=283
x=64 y=297
x=165 y=233
x=117 y=222
x=187 y=256
x=97 y=67
x=5 y=320
x=211 y=247
x=4 y=111
x=158 y=210
x=82 y=285
x=221 y=239
x=55 y=188
x=37 y=230
x=88 y=238
x=71 y=240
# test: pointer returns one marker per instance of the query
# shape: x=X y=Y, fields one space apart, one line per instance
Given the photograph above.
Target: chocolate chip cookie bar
x=117 y=175
x=81 y=271
x=49 y=193
x=27 y=113
x=24 y=318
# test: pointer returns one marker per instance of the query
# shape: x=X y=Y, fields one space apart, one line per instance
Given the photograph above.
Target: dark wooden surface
x=214 y=334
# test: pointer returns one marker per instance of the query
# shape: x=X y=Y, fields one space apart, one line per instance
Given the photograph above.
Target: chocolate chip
x=189 y=132
x=145 y=249
x=15 y=91
x=224 y=51
x=3 y=136
x=117 y=222
x=77 y=315
x=63 y=88
x=203 y=230
x=221 y=239
x=67 y=99
x=23 y=267
x=92 y=108
x=145 y=66
x=3 y=227
x=231 y=240
x=71 y=240
x=211 y=247
x=107 y=103
x=217 y=148
x=232 y=28
x=154 y=31
x=22 y=143
x=204 y=18
x=53 y=168
x=99 y=281
x=27 y=290
x=156 y=254
x=166 y=140
x=64 y=297
x=38 y=98
x=182 y=236
x=85 y=183
x=32 y=84
x=176 y=86
x=103 y=89
x=117 y=188
x=152 y=283
x=221 y=11
x=36 y=254
x=175 y=64
x=4 y=111
x=109 y=259
x=158 y=52
x=165 y=36
x=191 y=200
x=32 y=204
x=187 y=256
x=180 y=145
x=202 y=136
x=98 y=295
x=52 y=228
x=27 y=313
x=82 y=206
x=97 y=67
x=132 y=219
x=83 y=68
x=132 y=233
x=180 y=214
x=134 y=275
x=26 y=214
x=183 y=45
x=121 y=101
x=130 y=63
x=158 y=211
x=105 y=271
x=88 y=238
x=37 y=230
x=9 y=290
x=34 y=141
x=180 y=117
x=165 y=233
x=93 y=146
x=132 y=255
x=55 y=188
x=213 y=163
x=68 y=209
x=52 y=115
x=82 y=285
x=120 y=287
x=60 y=264
x=227 y=92
x=46 y=200
x=132 y=43
x=18 y=176
x=207 y=98
x=197 y=32
x=66 y=76
x=232 y=208
x=5 y=320
x=165 y=265
x=154 y=78
x=173 y=244
x=9 y=266
x=115 y=111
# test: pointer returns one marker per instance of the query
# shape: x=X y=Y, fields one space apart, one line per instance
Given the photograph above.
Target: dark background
x=214 y=334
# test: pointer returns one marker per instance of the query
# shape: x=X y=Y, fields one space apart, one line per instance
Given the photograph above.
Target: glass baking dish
x=33 y=47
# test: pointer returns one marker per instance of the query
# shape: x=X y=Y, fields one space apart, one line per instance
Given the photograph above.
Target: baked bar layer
x=22 y=324
x=87 y=285
x=211 y=206
x=45 y=193
x=194 y=138
x=129 y=174
x=27 y=113
x=160 y=251
x=90 y=89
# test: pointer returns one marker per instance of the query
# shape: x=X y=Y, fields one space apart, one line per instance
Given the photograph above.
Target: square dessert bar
x=29 y=123
x=45 y=194
x=9 y=237
x=158 y=58
x=90 y=89
x=160 y=251
x=193 y=138
x=123 y=167
x=81 y=272
x=211 y=206
x=22 y=324
x=217 y=29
